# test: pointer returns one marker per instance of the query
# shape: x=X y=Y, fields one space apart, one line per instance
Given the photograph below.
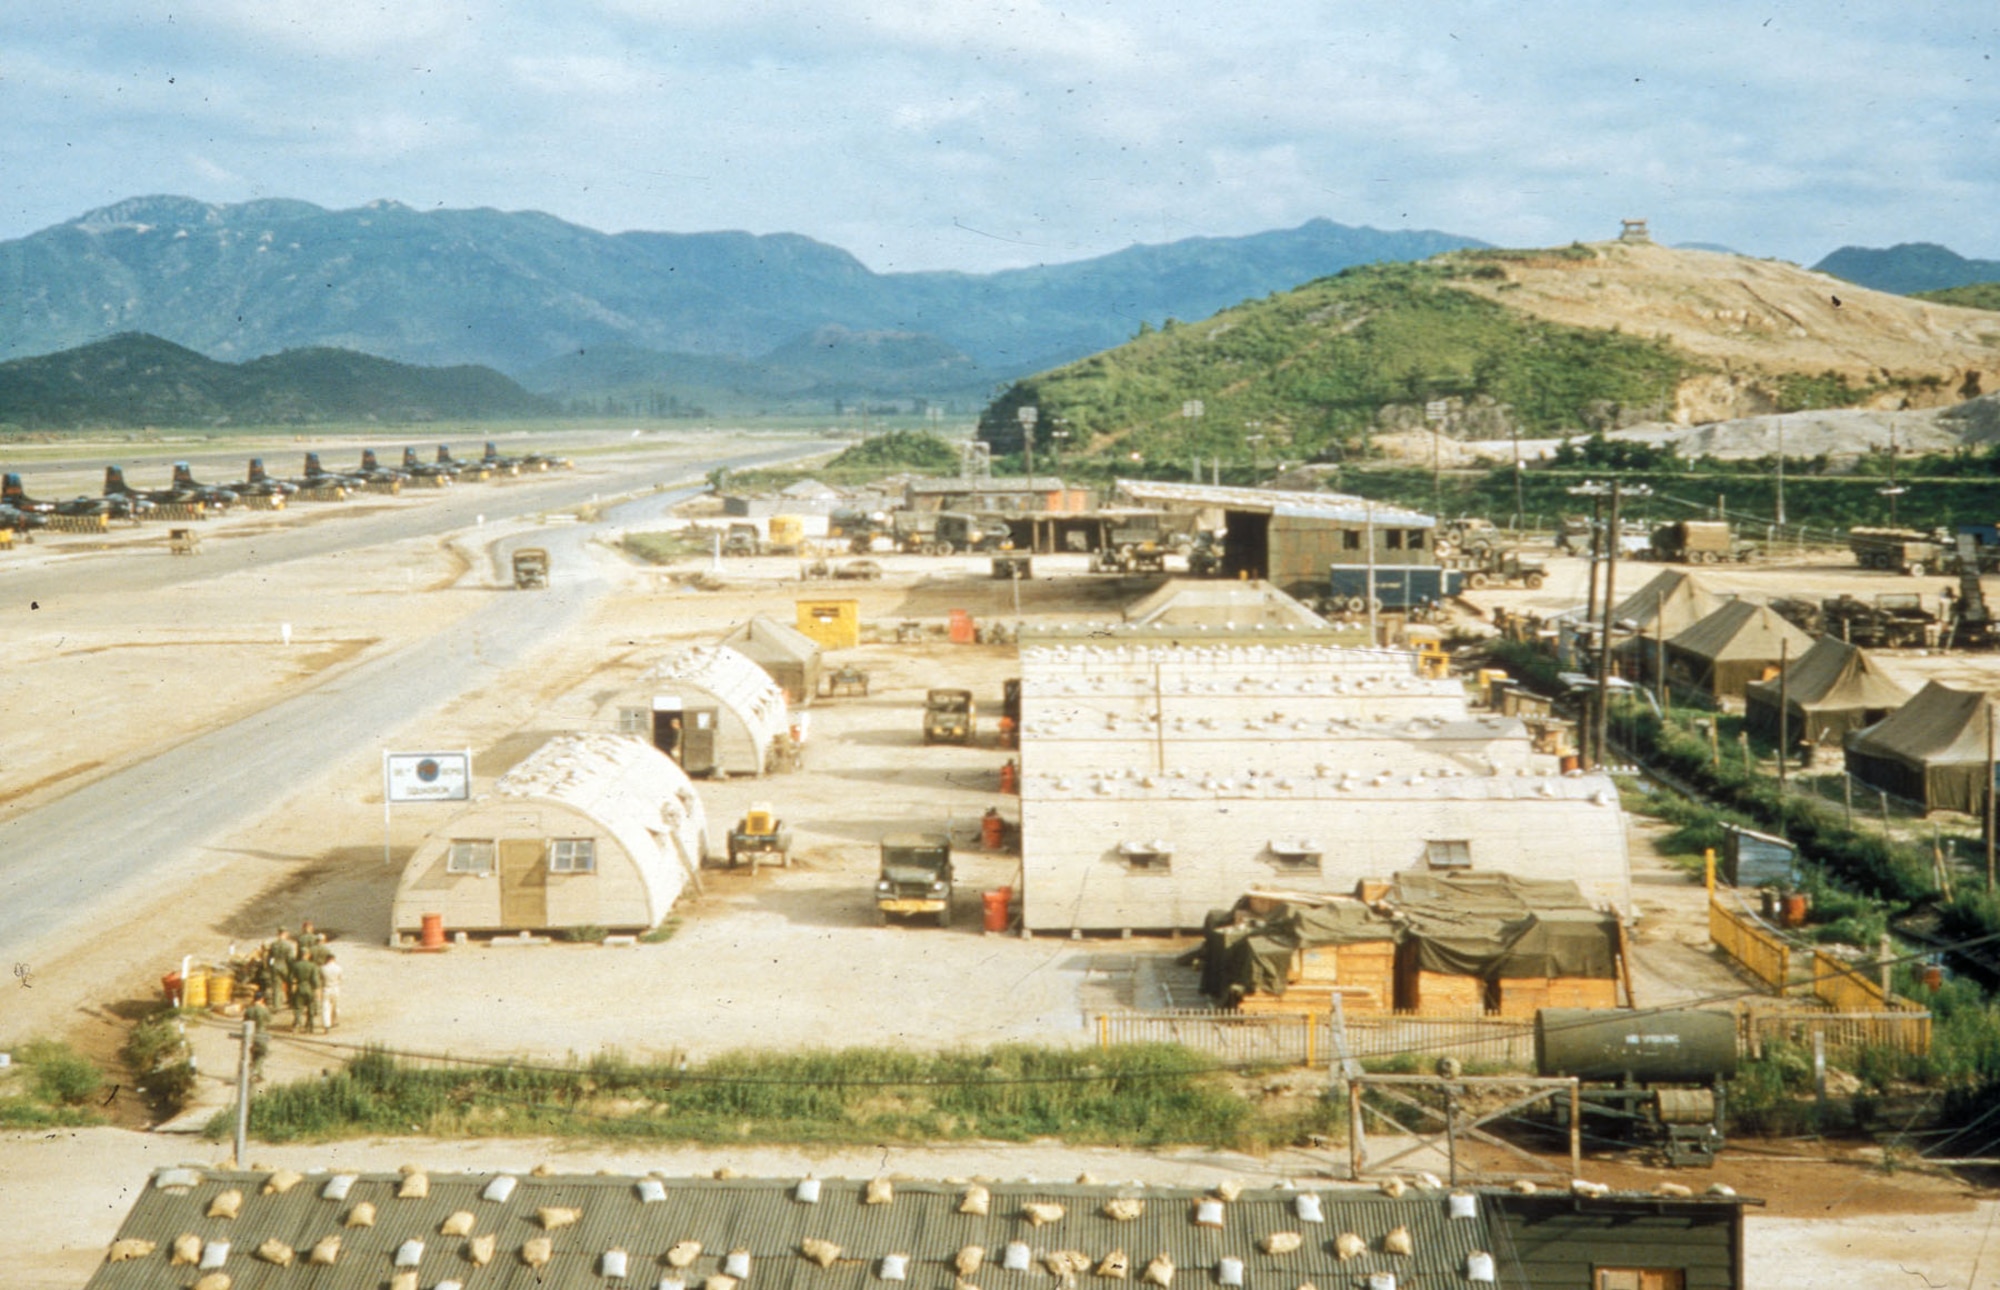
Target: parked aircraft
x=194 y=490
x=115 y=487
x=13 y=517
x=376 y=473
x=318 y=476
x=259 y=484
x=445 y=459
x=504 y=465
x=421 y=470
x=542 y=461
x=14 y=495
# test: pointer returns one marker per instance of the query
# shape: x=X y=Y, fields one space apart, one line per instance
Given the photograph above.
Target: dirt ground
x=781 y=958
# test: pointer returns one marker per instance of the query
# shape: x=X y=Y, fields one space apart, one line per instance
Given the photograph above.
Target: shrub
x=63 y=1076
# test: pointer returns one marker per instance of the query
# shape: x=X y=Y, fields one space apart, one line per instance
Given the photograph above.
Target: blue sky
x=925 y=134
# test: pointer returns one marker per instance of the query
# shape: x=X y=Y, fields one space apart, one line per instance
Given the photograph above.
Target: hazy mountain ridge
x=515 y=290
x=1908 y=267
x=134 y=379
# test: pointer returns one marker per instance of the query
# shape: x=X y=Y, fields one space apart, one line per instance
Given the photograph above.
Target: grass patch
x=50 y=1085
x=663 y=933
x=1138 y=1095
x=665 y=548
x=157 y=1054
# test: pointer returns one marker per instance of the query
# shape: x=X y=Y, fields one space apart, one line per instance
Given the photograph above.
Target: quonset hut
x=710 y=709
x=592 y=830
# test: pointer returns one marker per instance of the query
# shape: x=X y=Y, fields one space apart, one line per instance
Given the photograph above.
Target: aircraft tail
x=114 y=481
x=313 y=469
x=491 y=451
x=11 y=491
x=409 y=458
x=183 y=476
x=444 y=455
x=368 y=462
x=257 y=475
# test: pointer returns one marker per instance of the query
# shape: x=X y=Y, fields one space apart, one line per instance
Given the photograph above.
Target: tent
x=790 y=656
x=1739 y=643
x=1673 y=601
x=1830 y=691
x=1931 y=751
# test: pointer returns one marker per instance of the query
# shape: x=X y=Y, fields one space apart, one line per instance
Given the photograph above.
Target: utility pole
x=1603 y=737
x=1781 y=471
x=1990 y=715
x=1028 y=414
x=1784 y=723
x=249 y=1038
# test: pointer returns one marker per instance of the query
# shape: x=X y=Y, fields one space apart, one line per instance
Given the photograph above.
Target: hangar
x=592 y=830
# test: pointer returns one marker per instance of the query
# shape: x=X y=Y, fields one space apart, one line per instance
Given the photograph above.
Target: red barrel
x=962 y=632
x=992 y=831
x=1571 y=763
x=433 y=937
x=171 y=983
x=1795 y=909
x=997 y=903
x=1010 y=778
x=1933 y=977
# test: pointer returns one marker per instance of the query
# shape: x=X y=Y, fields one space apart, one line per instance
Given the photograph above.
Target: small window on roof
x=1448 y=853
x=470 y=855
x=1295 y=855
x=572 y=855
x=1153 y=856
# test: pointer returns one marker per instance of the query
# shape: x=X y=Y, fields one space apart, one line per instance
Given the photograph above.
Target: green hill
x=1314 y=370
x=1977 y=295
x=138 y=380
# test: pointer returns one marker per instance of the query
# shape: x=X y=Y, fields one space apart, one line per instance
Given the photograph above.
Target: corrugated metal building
x=622 y=1230
x=790 y=656
x=709 y=708
x=1293 y=539
x=1150 y=851
x=592 y=830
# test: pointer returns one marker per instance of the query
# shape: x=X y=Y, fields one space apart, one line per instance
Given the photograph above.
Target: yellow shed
x=835 y=624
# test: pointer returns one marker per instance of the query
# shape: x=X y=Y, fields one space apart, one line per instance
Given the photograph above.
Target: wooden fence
x=1762 y=955
x=1846 y=1032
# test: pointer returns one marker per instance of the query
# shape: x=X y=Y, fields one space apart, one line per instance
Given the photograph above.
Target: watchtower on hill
x=1634 y=231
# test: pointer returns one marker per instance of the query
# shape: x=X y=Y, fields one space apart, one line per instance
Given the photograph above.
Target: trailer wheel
x=1534 y=581
x=1914 y=568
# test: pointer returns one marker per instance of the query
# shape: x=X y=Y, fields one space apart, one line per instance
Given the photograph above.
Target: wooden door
x=524 y=883
x=698 y=741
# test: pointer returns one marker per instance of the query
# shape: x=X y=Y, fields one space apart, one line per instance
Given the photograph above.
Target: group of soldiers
x=296 y=972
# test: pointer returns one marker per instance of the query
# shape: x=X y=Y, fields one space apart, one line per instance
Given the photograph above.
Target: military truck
x=1896 y=620
x=1505 y=567
x=742 y=539
x=1135 y=543
x=916 y=877
x=1697 y=542
x=1906 y=550
x=531 y=568
x=962 y=531
x=949 y=717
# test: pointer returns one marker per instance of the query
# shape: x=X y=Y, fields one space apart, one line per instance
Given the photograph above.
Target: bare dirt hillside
x=1757 y=319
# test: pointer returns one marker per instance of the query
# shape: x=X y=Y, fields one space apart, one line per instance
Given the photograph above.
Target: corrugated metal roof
x=1276 y=501
x=762 y=1217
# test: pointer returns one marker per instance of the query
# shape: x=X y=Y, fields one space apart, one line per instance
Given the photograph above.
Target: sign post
x=422 y=777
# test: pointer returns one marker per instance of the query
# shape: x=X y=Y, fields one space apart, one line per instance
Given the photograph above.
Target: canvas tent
x=791 y=657
x=1830 y=691
x=592 y=830
x=1673 y=600
x=710 y=709
x=1739 y=643
x=1931 y=751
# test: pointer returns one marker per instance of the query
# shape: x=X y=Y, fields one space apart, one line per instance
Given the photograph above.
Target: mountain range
x=776 y=315
x=1908 y=268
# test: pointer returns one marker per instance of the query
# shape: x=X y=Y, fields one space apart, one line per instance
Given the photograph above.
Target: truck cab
x=916 y=877
x=531 y=567
x=949 y=717
x=742 y=539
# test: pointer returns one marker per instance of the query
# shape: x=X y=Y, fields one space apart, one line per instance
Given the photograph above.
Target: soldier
x=260 y=1039
x=310 y=939
x=306 y=979
x=283 y=952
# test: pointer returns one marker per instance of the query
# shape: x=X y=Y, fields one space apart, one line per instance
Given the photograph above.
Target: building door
x=667 y=733
x=698 y=737
x=524 y=883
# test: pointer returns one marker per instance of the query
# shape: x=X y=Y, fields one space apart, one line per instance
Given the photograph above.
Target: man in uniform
x=283 y=952
x=306 y=978
x=260 y=1039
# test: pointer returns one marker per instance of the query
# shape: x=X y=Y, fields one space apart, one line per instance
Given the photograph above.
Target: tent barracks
x=1829 y=693
x=791 y=657
x=592 y=830
x=1931 y=751
x=1737 y=644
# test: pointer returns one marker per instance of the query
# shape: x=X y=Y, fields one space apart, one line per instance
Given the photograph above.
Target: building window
x=635 y=721
x=470 y=855
x=1350 y=539
x=1416 y=539
x=1641 y=1279
x=1146 y=857
x=572 y=855
x=1448 y=853
x=1393 y=539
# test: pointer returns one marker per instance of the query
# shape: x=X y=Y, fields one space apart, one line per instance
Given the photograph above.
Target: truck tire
x=1914 y=568
x=1475 y=580
x=943 y=548
x=1534 y=581
x=927 y=548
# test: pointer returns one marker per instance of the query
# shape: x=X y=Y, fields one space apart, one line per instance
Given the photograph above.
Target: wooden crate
x=1354 y=1000
x=1439 y=994
x=1524 y=996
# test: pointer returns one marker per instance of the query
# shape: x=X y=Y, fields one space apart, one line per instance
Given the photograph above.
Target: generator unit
x=1656 y=1078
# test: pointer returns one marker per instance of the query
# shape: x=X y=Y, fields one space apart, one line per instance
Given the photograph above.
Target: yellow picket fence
x=1762 y=955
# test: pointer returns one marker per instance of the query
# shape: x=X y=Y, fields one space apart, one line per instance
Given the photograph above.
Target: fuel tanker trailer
x=1648 y=1077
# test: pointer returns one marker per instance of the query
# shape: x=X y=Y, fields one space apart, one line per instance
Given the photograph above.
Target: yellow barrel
x=194 y=990
x=220 y=988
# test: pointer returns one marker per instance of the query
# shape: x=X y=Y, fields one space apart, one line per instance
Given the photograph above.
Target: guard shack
x=834 y=624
